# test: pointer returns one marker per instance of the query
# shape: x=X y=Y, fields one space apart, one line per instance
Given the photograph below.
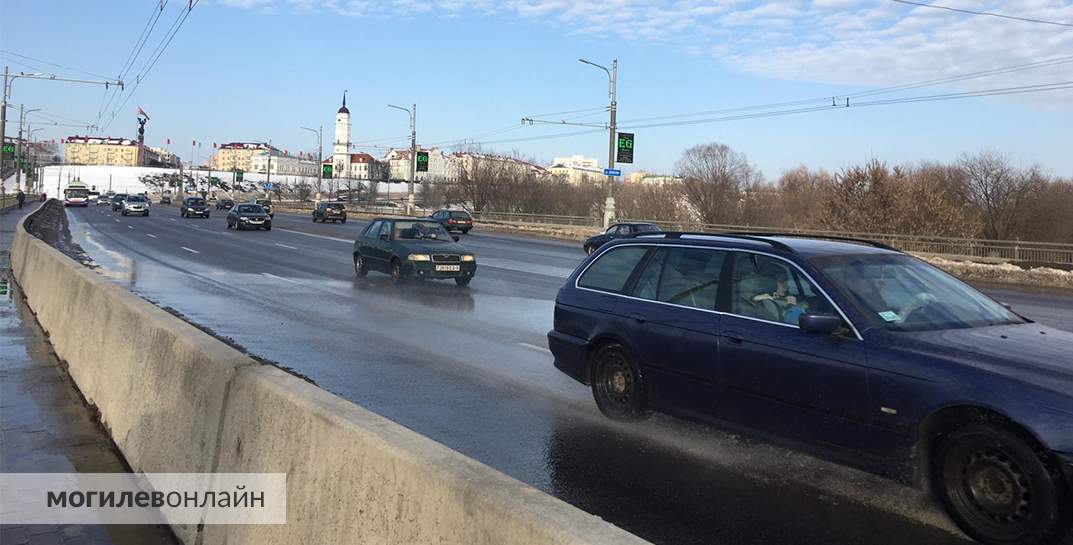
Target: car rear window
x=647 y=228
x=460 y=215
x=195 y=202
x=612 y=269
x=335 y=206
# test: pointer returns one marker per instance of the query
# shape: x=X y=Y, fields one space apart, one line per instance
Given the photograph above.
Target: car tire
x=998 y=489
x=268 y=227
x=465 y=231
x=463 y=281
x=207 y=215
x=238 y=225
x=360 y=268
x=396 y=270
x=618 y=385
x=342 y=220
x=589 y=250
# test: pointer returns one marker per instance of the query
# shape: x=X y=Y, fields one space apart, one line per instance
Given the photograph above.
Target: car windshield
x=429 y=230
x=334 y=206
x=136 y=198
x=460 y=215
x=903 y=293
x=263 y=202
x=195 y=202
x=250 y=209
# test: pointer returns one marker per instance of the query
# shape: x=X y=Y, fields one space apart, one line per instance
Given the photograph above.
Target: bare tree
x=998 y=191
x=713 y=176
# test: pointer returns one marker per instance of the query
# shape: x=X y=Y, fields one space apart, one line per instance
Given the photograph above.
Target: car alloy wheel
x=396 y=269
x=360 y=268
x=998 y=489
x=617 y=384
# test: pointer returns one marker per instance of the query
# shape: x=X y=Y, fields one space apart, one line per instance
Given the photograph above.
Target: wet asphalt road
x=470 y=369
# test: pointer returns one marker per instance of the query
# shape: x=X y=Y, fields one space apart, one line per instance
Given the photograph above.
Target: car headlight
x=469 y=258
x=244 y=219
x=419 y=257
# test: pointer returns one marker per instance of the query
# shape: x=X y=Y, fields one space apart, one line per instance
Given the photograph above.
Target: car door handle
x=639 y=318
x=734 y=337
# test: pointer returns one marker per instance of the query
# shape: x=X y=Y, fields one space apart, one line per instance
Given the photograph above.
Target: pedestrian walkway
x=45 y=425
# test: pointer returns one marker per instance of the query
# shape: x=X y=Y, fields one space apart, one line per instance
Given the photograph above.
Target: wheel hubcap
x=996 y=487
x=618 y=380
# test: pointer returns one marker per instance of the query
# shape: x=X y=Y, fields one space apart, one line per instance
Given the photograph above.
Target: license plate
x=448 y=268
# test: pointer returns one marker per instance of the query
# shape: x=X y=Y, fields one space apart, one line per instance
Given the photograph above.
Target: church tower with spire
x=341 y=149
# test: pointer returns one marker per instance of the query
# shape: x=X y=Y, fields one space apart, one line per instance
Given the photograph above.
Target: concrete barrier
x=178 y=400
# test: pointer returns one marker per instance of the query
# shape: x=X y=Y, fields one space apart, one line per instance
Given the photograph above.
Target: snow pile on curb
x=1005 y=272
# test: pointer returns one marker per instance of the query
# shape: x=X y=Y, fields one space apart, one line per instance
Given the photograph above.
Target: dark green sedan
x=404 y=247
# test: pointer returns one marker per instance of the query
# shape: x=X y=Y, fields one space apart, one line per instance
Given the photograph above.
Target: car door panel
x=777 y=377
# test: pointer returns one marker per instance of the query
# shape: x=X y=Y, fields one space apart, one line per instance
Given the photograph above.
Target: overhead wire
x=985 y=13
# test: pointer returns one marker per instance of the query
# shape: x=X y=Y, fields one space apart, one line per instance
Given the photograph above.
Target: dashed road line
x=270 y=275
x=348 y=241
x=130 y=227
x=150 y=235
x=285 y=246
x=191 y=250
x=534 y=347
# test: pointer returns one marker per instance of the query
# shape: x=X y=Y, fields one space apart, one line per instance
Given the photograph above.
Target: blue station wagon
x=848 y=349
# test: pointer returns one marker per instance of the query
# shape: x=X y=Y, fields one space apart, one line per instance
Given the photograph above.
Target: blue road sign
x=612 y=172
x=267 y=185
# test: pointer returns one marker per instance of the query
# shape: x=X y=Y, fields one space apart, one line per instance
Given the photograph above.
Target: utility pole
x=320 y=157
x=413 y=156
x=612 y=76
x=6 y=92
x=18 y=145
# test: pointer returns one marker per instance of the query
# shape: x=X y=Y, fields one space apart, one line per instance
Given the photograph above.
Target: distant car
x=136 y=205
x=104 y=200
x=194 y=207
x=849 y=349
x=166 y=199
x=454 y=220
x=224 y=204
x=330 y=211
x=618 y=230
x=412 y=248
x=94 y=197
x=117 y=202
x=248 y=216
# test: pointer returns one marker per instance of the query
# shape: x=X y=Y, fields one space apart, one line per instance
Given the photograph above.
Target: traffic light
x=625 y=147
x=238 y=176
x=326 y=171
x=422 y=161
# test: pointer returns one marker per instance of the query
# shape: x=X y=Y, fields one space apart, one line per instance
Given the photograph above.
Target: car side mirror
x=455 y=238
x=383 y=237
x=820 y=324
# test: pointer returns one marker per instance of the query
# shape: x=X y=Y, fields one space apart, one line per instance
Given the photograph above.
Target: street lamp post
x=612 y=77
x=33 y=157
x=412 y=175
x=320 y=157
x=18 y=145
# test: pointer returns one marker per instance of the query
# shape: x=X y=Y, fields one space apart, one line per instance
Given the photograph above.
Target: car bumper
x=257 y=225
x=197 y=212
x=571 y=355
x=140 y=212
x=427 y=269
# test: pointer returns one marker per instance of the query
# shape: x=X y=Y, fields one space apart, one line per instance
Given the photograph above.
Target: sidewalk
x=45 y=425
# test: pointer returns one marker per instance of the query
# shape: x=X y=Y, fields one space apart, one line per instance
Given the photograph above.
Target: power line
x=29 y=58
x=987 y=13
x=135 y=50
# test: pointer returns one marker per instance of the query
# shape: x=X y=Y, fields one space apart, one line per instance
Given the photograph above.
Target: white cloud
x=844 y=42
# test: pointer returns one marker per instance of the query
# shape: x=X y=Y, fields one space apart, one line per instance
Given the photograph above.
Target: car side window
x=385 y=229
x=771 y=289
x=690 y=277
x=623 y=229
x=612 y=269
x=373 y=230
x=611 y=230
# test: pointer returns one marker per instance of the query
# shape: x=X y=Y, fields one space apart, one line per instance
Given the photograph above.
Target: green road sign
x=326 y=171
x=422 y=161
x=238 y=176
x=9 y=150
x=625 y=147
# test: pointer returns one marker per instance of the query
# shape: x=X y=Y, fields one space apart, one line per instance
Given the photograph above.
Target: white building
x=577 y=161
x=282 y=164
x=642 y=177
x=440 y=166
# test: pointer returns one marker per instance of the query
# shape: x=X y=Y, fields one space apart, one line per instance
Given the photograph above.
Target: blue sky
x=241 y=70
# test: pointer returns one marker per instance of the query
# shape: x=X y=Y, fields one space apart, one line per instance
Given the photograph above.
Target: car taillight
x=450 y=221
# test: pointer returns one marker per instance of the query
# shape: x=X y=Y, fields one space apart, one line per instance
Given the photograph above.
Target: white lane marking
x=281 y=278
x=150 y=235
x=534 y=347
x=117 y=220
x=191 y=250
x=130 y=227
x=348 y=241
x=285 y=246
x=172 y=219
x=532 y=268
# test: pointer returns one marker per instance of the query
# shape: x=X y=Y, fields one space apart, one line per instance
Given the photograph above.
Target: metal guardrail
x=1051 y=253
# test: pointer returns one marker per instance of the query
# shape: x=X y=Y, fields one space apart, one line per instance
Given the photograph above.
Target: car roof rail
x=742 y=236
x=872 y=243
